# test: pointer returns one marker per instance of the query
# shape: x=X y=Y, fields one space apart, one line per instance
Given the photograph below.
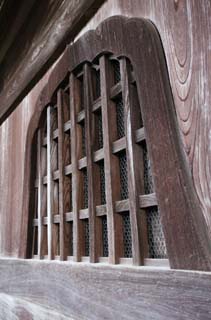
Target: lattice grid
x=157 y=247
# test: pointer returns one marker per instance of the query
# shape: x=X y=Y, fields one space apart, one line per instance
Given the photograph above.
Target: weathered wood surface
x=186 y=234
x=34 y=35
x=185 y=32
x=63 y=290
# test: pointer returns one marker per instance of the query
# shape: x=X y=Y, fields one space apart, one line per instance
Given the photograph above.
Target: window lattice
x=108 y=170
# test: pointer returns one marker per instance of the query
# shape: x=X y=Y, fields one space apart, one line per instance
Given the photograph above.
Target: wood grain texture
x=185 y=31
x=77 y=196
x=40 y=33
x=135 y=161
x=188 y=243
x=112 y=173
x=184 y=28
x=104 y=292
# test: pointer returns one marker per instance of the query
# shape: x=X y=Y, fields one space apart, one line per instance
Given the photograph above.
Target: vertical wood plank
x=77 y=188
x=135 y=167
x=49 y=184
x=92 y=170
x=40 y=191
x=111 y=163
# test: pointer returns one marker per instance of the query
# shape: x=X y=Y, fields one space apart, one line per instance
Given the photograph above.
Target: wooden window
x=103 y=120
x=93 y=192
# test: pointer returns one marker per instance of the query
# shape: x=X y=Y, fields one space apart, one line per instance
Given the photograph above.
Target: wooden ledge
x=71 y=290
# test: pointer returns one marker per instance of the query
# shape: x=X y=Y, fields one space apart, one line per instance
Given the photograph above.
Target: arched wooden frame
x=184 y=226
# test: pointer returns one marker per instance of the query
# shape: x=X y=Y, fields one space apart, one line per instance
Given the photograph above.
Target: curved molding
x=185 y=230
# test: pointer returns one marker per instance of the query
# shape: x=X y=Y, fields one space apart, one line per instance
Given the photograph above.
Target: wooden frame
x=184 y=227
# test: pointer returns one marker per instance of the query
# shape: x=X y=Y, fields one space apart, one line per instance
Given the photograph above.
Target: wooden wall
x=185 y=30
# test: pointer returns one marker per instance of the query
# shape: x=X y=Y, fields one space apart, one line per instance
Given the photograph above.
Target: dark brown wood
x=135 y=166
x=29 y=21
x=77 y=196
x=188 y=243
x=112 y=177
x=92 y=170
x=61 y=172
x=120 y=292
x=64 y=181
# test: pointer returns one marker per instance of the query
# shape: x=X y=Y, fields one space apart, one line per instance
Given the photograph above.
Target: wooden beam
x=48 y=26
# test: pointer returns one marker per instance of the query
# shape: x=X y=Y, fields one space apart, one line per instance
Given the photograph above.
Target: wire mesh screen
x=35 y=241
x=148 y=180
x=68 y=193
x=81 y=92
x=102 y=182
x=120 y=117
x=86 y=237
x=99 y=130
x=85 y=188
x=127 y=239
x=83 y=139
x=157 y=245
x=98 y=90
x=116 y=70
x=35 y=203
x=123 y=175
x=105 y=236
x=70 y=231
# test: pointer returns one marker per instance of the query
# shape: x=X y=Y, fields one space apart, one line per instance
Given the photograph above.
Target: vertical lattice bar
x=135 y=180
x=39 y=198
x=92 y=170
x=49 y=184
x=63 y=253
x=111 y=164
x=77 y=178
